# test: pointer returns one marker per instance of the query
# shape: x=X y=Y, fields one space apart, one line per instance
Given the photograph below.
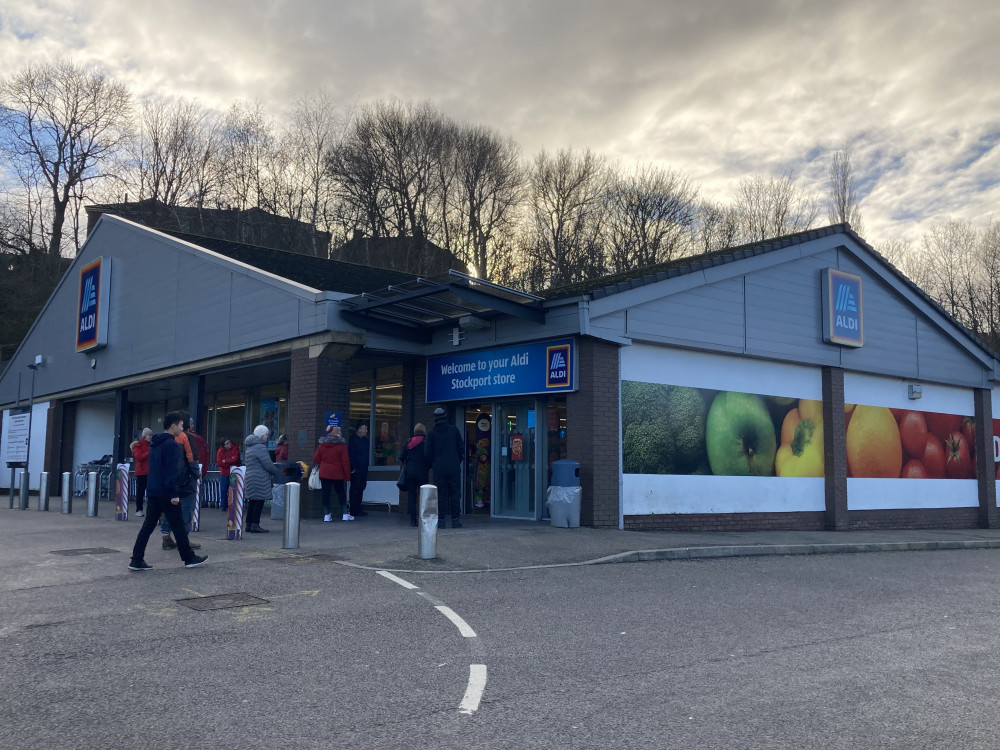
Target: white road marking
x=462 y=625
x=474 y=691
x=477 y=672
x=397 y=579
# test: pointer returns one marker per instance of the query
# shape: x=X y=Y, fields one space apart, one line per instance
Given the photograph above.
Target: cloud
x=717 y=90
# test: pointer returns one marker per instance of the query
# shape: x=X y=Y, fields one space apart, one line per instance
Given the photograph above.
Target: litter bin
x=290 y=472
x=564 y=495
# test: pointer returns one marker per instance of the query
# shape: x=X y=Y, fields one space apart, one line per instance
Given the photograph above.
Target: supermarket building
x=798 y=383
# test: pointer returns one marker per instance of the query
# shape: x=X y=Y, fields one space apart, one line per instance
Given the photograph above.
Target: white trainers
x=327 y=518
x=348 y=517
x=138 y=514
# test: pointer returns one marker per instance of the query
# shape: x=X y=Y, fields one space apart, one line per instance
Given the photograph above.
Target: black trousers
x=337 y=485
x=358 y=483
x=157 y=506
x=413 y=498
x=140 y=489
x=449 y=495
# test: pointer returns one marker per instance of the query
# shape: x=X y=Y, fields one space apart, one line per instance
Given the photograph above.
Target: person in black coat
x=445 y=449
x=417 y=469
x=357 y=451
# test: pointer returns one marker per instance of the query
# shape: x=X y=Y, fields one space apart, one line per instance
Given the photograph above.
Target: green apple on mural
x=739 y=436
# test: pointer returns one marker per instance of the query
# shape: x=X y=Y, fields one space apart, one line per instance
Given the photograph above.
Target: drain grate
x=305 y=559
x=87 y=551
x=222 y=601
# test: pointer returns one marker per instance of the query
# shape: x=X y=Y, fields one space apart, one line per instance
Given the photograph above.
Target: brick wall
x=593 y=431
x=915 y=518
x=801 y=521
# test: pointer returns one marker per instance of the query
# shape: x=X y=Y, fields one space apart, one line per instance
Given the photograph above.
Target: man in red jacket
x=140 y=451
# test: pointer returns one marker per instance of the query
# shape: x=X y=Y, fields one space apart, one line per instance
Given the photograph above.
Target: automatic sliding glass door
x=515 y=460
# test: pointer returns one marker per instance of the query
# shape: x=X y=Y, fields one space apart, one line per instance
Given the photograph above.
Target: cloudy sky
x=715 y=89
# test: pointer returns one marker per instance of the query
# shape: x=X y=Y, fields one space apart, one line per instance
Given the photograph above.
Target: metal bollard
x=13 y=486
x=67 y=493
x=290 y=539
x=92 y=494
x=24 y=489
x=43 y=491
x=428 y=521
x=121 y=492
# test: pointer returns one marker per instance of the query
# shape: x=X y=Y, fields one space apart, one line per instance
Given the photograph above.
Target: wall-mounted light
x=914 y=391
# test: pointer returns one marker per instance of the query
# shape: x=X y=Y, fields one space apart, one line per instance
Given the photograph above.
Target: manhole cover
x=222 y=601
x=304 y=559
x=87 y=551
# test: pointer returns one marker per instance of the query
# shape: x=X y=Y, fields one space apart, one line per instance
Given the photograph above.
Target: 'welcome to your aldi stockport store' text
x=487 y=371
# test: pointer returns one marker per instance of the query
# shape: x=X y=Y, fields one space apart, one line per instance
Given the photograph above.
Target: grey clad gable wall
x=170 y=303
x=770 y=306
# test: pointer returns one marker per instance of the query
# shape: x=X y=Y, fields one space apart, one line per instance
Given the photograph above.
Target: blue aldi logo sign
x=843 y=321
x=92 y=316
x=558 y=368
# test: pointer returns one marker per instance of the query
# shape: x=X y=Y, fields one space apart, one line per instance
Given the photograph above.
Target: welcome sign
x=540 y=367
x=843 y=320
x=92 y=316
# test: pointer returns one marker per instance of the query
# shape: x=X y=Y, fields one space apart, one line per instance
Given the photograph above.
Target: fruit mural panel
x=909 y=444
x=672 y=429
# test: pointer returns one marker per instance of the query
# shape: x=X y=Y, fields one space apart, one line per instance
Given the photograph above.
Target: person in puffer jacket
x=260 y=470
x=417 y=469
x=334 y=470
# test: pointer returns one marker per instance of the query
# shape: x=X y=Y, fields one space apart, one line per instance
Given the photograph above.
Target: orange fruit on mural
x=874 y=448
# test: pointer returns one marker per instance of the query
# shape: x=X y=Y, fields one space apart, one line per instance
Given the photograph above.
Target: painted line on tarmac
x=474 y=691
x=397 y=579
x=477 y=672
x=458 y=622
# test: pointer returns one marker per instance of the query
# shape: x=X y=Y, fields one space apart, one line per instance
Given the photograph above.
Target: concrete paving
x=386 y=541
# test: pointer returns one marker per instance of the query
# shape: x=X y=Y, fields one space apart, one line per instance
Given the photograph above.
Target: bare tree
x=489 y=190
x=770 y=207
x=389 y=165
x=567 y=211
x=717 y=226
x=317 y=126
x=247 y=141
x=60 y=124
x=842 y=204
x=650 y=215
x=168 y=152
x=949 y=255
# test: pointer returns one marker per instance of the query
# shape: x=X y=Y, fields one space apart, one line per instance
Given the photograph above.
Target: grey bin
x=290 y=472
x=564 y=495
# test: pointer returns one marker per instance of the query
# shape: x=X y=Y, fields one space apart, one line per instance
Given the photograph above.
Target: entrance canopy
x=416 y=308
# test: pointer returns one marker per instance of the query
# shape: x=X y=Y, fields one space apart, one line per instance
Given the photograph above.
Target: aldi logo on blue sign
x=543 y=367
x=843 y=322
x=92 y=317
x=558 y=366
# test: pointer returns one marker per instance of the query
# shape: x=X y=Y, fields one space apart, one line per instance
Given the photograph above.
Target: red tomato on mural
x=957 y=460
x=969 y=430
x=913 y=470
x=913 y=432
x=933 y=458
x=943 y=425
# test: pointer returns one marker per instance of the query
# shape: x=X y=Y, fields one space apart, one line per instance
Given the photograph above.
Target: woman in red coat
x=140 y=451
x=334 y=470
